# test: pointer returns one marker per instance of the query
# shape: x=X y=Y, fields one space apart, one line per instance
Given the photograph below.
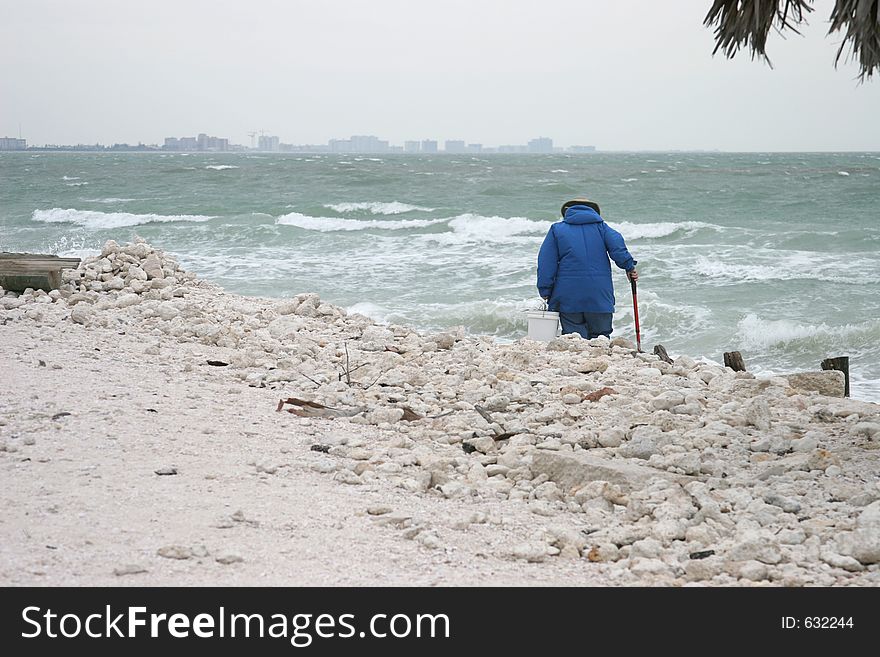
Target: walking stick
x=636 y=315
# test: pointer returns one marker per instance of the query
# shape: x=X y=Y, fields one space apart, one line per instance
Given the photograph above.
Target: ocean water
x=774 y=255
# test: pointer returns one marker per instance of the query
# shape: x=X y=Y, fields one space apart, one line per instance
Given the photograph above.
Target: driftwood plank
x=19 y=271
x=32 y=263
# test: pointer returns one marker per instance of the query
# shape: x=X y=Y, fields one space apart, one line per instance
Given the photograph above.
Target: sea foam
x=220 y=167
x=94 y=219
x=787 y=266
x=499 y=316
x=377 y=313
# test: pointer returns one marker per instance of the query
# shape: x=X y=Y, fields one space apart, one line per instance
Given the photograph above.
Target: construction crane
x=252 y=135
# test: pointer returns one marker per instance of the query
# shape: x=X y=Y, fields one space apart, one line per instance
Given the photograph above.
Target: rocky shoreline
x=571 y=462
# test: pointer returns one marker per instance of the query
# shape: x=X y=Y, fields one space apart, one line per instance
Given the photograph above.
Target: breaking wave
x=756 y=333
x=378 y=207
x=94 y=219
x=333 y=224
x=478 y=228
x=632 y=231
x=464 y=228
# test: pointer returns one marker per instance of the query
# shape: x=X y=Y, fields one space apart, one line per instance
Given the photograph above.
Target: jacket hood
x=581 y=214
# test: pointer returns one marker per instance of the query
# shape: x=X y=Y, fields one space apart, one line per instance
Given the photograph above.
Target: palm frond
x=742 y=23
x=859 y=21
x=747 y=23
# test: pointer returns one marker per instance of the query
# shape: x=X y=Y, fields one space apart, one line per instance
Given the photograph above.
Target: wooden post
x=660 y=350
x=841 y=364
x=734 y=360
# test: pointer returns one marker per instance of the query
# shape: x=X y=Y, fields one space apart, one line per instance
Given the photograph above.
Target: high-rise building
x=454 y=146
x=201 y=143
x=429 y=146
x=474 y=148
x=269 y=143
x=207 y=143
x=410 y=147
x=368 y=144
x=359 y=144
x=582 y=149
x=12 y=144
x=541 y=145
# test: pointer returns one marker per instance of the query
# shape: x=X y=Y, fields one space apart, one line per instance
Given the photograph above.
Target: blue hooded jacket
x=573 y=266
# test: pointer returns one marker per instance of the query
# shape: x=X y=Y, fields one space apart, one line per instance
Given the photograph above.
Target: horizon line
x=155 y=148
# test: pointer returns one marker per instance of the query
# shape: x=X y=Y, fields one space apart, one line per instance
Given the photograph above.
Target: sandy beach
x=141 y=443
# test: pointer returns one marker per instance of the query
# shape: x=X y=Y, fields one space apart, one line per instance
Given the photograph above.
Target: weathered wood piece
x=305 y=408
x=598 y=394
x=409 y=415
x=503 y=434
x=734 y=360
x=841 y=364
x=484 y=413
x=660 y=350
x=19 y=271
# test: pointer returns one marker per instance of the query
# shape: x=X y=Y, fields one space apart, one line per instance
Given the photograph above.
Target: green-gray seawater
x=775 y=255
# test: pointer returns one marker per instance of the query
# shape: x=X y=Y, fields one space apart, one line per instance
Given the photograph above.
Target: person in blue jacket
x=574 y=270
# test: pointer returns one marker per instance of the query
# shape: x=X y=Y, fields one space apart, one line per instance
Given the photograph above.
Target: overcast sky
x=627 y=74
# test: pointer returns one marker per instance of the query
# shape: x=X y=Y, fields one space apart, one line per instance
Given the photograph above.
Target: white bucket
x=543 y=325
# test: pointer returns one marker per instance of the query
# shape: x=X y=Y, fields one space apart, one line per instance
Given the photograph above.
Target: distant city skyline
x=368 y=144
x=272 y=143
